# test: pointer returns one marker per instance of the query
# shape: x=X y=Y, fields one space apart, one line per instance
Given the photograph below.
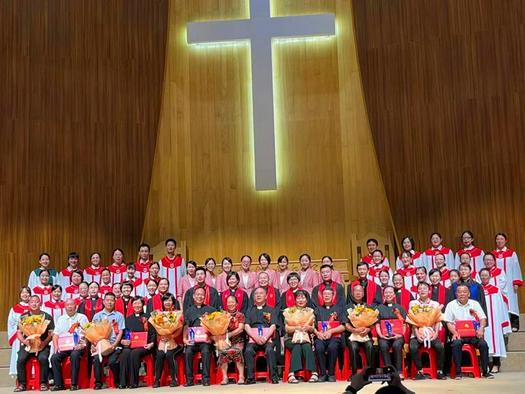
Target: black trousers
x=189 y=352
x=168 y=356
x=514 y=321
x=43 y=360
x=480 y=344
x=113 y=363
x=438 y=347
x=56 y=365
x=354 y=351
x=397 y=350
x=330 y=348
x=130 y=364
x=249 y=358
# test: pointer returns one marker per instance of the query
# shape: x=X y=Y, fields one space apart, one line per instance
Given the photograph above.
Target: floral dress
x=234 y=352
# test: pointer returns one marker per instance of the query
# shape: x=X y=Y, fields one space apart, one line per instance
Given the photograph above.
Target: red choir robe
x=103 y=289
x=142 y=269
x=54 y=308
x=139 y=287
x=70 y=292
x=498 y=279
x=507 y=259
x=173 y=269
x=430 y=254
x=92 y=274
x=417 y=260
x=44 y=292
x=409 y=277
x=64 y=276
x=476 y=257
x=118 y=273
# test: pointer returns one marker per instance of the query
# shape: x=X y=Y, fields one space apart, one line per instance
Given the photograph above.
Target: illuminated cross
x=259 y=31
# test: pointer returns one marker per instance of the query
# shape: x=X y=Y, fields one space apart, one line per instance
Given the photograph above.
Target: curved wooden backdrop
x=330 y=194
x=79 y=102
x=445 y=92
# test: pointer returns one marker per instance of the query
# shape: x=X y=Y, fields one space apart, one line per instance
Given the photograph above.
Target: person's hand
x=328 y=335
x=186 y=341
x=79 y=346
x=480 y=333
x=365 y=331
x=434 y=336
x=148 y=346
x=455 y=336
x=125 y=342
x=515 y=287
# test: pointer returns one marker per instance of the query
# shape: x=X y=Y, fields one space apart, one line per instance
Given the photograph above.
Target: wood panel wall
x=330 y=195
x=445 y=92
x=79 y=104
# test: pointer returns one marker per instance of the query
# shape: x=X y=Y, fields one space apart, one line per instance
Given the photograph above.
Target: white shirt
x=457 y=311
x=65 y=321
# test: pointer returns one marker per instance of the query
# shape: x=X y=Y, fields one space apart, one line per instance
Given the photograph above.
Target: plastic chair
x=32 y=374
x=473 y=368
x=149 y=378
x=83 y=379
x=109 y=380
x=432 y=368
x=306 y=375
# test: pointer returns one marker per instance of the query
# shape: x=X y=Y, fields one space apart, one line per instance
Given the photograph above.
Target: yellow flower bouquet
x=217 y=325
x=168 y=325
x=362 y=317
x=33 y=326
x=299 y=317
x=98 y=333
x=424 y=317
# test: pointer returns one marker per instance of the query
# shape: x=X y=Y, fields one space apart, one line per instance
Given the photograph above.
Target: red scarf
x=371 y=289
x=87 y=307
x=270 y=296
x=171 y=263
x=119 y=306
x=290 y=298
x=403 y=299
x=323 y=286
x=239 y=295
x=441 y=293
x=156 y=302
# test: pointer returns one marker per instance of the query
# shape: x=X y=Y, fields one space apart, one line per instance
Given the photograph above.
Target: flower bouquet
x=168 y=325
x=299 y=317
x=217 y=325
x=361 y=317
x=33 y=326
x=98 y=333
x=424 y=317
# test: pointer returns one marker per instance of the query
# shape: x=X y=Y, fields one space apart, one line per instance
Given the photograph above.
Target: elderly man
x=63 y=328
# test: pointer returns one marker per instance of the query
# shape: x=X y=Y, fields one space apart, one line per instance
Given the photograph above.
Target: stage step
x=515 y=362
x=516 y=341
x=5 y=379
x=4 y=342
x=5 y=357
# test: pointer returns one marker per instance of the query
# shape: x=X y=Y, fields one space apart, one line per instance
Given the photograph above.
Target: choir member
x=234 y=290
x=34 y=277
x=421 y=274
x=390 y=310
x=360 y=336
x=70 y=323
x=403 y=296
x=44 y=288
x=264 y=266
x=155 y=302
x=139 y=286
x=408 y=272
x=377 y=266
x=453 y=277
x=105 y=282
x=300 y=350
x=233 y=353
x=372 y=246
x=309 y=278
x=55 y=306
x=439 y=293
x=444 y=272
x=188 y=281
x=288 y=297
x=475 y=253
x=281 y=274
x=418 y=335
x=165 y=352
x=44 y=349
x=211 y=297
x=75 y=278
x=154 y=270
x=466 y=308
x=507 y=259
x=437 y=247
x=248 y=278
x=192 y=314
x=226 y=266
x=93 y=304
x=336 y=275
x=151 y=287
x=498 y=318
x=64 y=276
x=408 y=245
x=273 y=298
x=124 y=304
x=261 y=324
x=371 y=289
x=118 y=324
x=117 y=267
x=475 y=289
x=116 y=289
x=327 y=282
x=383 y=281
x=172 y=266
x=143 y=262
x=211 y=277
x=12 y=325
x=94 y=271
x=83 y=292
x=497 y=275
x=330 y=320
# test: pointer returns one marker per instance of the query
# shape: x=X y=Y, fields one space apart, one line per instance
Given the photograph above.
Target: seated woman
x=300 y=348
x=131 y=356
x=169 y=303
x=233 y=353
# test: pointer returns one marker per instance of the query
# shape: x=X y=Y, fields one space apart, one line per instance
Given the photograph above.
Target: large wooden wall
x=79 y=103
x=445 y=92
x=330 y=194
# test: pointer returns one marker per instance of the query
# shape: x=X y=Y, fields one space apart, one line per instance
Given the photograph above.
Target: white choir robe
x=368 y=259
x=498 y=279
x=375 y=270
x=430 y=254
x=34 y=277
x=118 y=273
x=410 y=280
x=139 y=287
x=498 y=323
x=12 y=327
x=417 y=260
x=70 y=291
x=142 y=269
x=44 y=292
x=173 y=269
x=445 y=277
x=507 y=259
x=64 y=277
x=92 y=274
x=55 y=309
x=476 y=258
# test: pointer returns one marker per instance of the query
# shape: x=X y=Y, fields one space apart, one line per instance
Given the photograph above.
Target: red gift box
x=138 y=339
x=465 y=328
x=323 y=326
x=66 y=342
x=396 y=324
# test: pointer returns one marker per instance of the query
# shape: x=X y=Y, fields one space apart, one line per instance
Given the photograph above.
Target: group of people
x=470 y=285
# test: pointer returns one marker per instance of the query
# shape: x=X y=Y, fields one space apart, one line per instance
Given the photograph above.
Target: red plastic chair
x=432 y=368
x=83 y=379
x=165 y=378
x=404 y=370
x=347 y=369
x=473 y=368
x=149 y=378
x=32 y=374
x=109 y=380
x=197 y=374
x=306 y=375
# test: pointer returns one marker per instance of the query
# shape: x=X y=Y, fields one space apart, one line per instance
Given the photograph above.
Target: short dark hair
x=325 y=266
x=73 y=255
x=110 y=294
x=293 y=275
x=282 y=257
x=362 y=263
x=56 y=287
x=266 y=256
x=232 y=273
x=170 y=240
x=423 y=284
x=433 y=271
x=372 y=240
x=137 y=298
x=303 y=292
x=465 y=265
x=127 y=283
x=200 y=269
x=144 y=245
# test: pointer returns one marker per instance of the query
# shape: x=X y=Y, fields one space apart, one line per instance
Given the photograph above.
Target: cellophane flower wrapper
x=167 y=323
x=424 y=317
x=33 y=326
x=98 y=333
x=299 y=317
x=362 y=317
x=217 y=325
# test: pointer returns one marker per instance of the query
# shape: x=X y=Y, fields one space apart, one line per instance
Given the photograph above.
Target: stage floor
x=508 y=383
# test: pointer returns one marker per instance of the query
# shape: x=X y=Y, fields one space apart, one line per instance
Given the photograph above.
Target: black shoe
x=275 y=380
x=98 y=386
x=332 y=379
x=174 y=383
x=189 y=383
x=441 y=376
x=323 y=378
x=133 y=386
x=121 y=387
x=206 y=383
x=488 y=375
x=459 y=376
x=420 y=376
x=156 y=385
x=58 y=388
x=73 y=387
x=250 y=381
x=20 y=388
